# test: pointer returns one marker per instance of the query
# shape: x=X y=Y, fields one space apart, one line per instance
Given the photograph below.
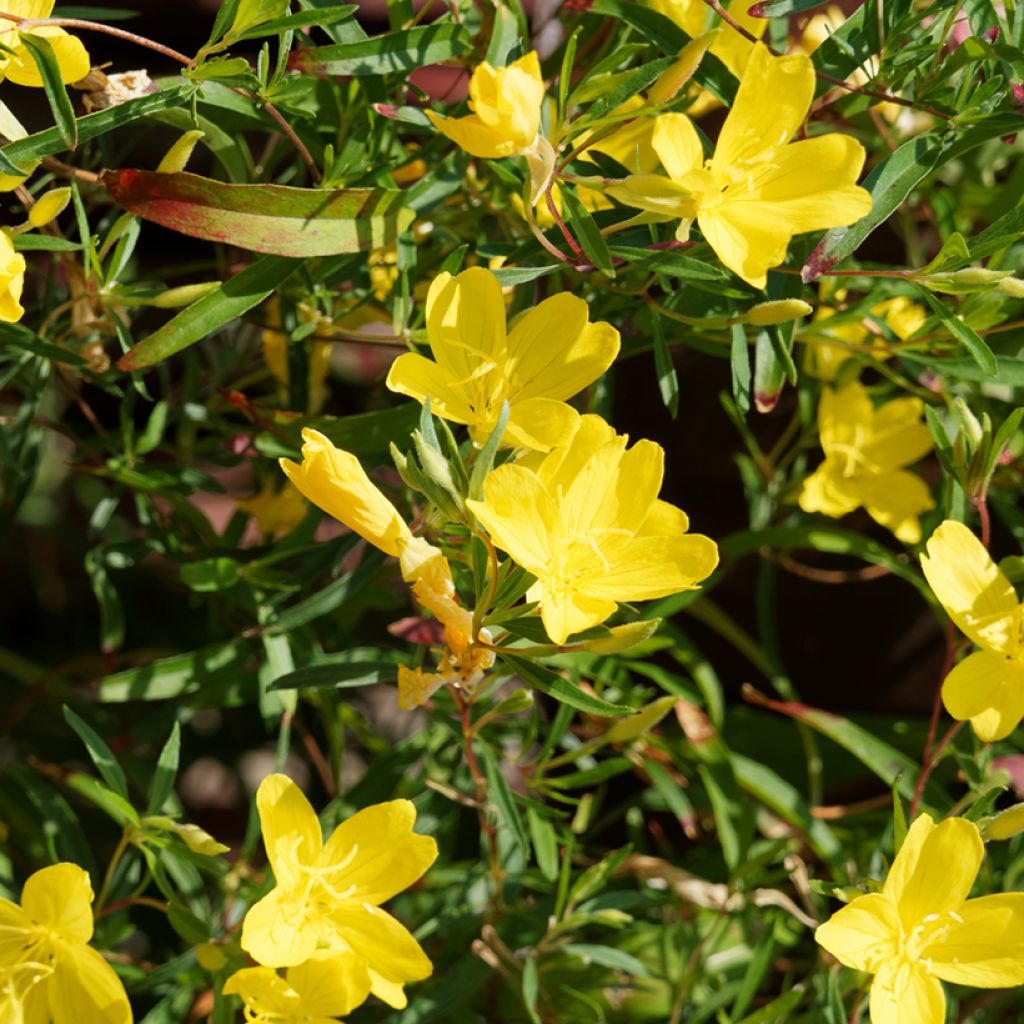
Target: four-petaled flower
x=18 y=66
x=316 y=992
x=551 y=353
x=328 y=895
x=921 y=927
x=759 y=189
x=987 y=687
x=45 y=956
x=865 y=452
x=586 y=520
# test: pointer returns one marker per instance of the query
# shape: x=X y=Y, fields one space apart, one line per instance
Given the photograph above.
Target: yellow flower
x=50 y=933
x=16 y=985
x=334 y=480
x=865 y=452
x=383 y=270
x=506 y=104
x=19 y=66
x=586 y=520
x=987 y=687
x=732 y=49
x=922 y=928
x=822 y=360
x=12 y=281
x=315 y=992
x=551 y=353
x=275 y=512
x=328 y=895
x=759 y=189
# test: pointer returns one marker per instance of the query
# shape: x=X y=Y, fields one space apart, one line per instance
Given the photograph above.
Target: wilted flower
x=922 y=928
x=865 y=452
x=551 y=353
x=987 y=687
x=19 y=66
x=586 y=520
x=46 y=958
x=759 y=189
x=327 y=896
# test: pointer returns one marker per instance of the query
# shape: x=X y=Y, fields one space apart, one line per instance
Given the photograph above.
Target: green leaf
x=276 y=219
x=111 y=611
x=111 y=803
x=383 y=55
x=778 y=8
x=668 y=381
x=588 y=233
x=337 y=675
x=500 y=795
x=545 y=844
x=213 y=311
x=162 y=784
x=561 y=689
x=321 y=17
x=965 y=334
x=102 y=756
x=608 y=956
x=92 y=126
x=251 y=13
x=210 y=574
x=53 y=85
x=485 y=460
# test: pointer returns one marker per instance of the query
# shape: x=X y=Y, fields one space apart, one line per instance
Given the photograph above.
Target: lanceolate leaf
x=276 y=219
x=382 y=55
x=53 y=85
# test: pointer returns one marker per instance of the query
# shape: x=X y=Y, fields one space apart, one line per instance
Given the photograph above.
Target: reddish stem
x=981 y=504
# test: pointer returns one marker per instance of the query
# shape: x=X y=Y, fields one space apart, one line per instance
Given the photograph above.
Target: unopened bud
x=1012 y=286
x=962 y=282
x=516 y=702
x=670 y=81
x=200 y=841
x=972 y=428
x=643 y=721
x=49 y=206
x=9 y=182
x=1006 y=824
x=177 y=156
x=183 y=296
x=778 y=311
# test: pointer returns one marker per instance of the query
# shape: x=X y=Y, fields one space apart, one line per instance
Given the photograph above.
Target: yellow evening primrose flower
x=586 y=520
x=922 y=927
x=12 y=281
x=50 y=933
x=987 y=687
x=318 y=991
x=327 y=896
x=731 y=48
x=551 y=353
x=759 y=189
x=19 y=66
x=866 y=450
x=275 y=511
x=822 y=359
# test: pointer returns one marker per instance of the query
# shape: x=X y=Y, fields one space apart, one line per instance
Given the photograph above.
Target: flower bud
x=620 y=638
x=49 y=206
x=200 y=841
x=177 y=156
x=1012 y=286
x=183 y=296
x=963 y=282
x=972 y=428
x=776 y=312
x=1006 y=824
x=644 y=720
x=670 y=81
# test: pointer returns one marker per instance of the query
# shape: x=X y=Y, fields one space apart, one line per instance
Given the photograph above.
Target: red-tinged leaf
x=274 y=219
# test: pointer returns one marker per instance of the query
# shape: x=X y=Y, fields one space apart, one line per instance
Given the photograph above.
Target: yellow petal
x=536 y=423
x=12 y=281
x=845 y=416
x=291 y=831
x=466 y=323
x=264 y=992
x=643 y=568
x=554 y=352
x=60 y=899
x=657 y=194
x=277 y=933
x=334 y=480
x=863 y=934
x=565 y=612
x=902 y=993
x=72 y=58
x=746 y=238
x=392 y=956
x=935 y=868
x=420 y=378
x=558 y=469
x=731 y=48
x=330 y=986
x=988 y=689
x=827 y=491
x=84 y=987
x=986 y=947
x=664 y=520
x=508 y=100
x=381 y=853
x=630 y=145
x=16 y=929
x=677 y=144
x=475 y=137
x=972 y=589
x=519 y=515
x=899 y=435
x=771 y=103
x=895 y=500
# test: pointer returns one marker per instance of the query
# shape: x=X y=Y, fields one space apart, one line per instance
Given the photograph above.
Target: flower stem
x=115 y=858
